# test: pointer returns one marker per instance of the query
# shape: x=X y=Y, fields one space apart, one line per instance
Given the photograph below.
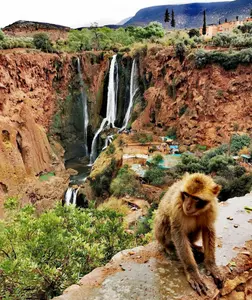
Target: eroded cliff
x=203 y=106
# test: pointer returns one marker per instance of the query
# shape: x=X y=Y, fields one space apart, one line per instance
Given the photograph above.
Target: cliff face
x=37 y=93
x=40 y=98
x=202 y=106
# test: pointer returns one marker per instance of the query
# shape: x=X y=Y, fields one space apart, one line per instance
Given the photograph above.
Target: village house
x=213 y=29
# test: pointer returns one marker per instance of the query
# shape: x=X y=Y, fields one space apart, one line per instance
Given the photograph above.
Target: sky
x=77 y=13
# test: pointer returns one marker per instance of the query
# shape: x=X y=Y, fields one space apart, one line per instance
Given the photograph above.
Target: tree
x=1 y=35
x=225 y=20
x=173 y=22
x=251 y=13
x=42 y=42
x=219 y=22
x=204 y=23
x=167 y=16
x=193 y=32
x=237 y=18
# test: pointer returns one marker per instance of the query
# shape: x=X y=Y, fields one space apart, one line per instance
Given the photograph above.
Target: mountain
x=191 y=15
x=122 y=22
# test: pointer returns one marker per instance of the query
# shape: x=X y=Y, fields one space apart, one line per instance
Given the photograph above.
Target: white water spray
x=133 y=90
x=110 y=118
x=68 y=196
x=84 y=104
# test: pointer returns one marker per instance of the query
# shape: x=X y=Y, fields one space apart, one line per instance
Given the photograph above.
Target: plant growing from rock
x=42 y=255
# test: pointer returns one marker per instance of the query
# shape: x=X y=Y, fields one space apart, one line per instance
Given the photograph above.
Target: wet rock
x=146 y=272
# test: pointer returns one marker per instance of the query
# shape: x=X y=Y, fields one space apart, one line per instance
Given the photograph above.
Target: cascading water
x=68 y=196
x=84 y=103
x=110 y=118
x=133 y=90
x=75 y=193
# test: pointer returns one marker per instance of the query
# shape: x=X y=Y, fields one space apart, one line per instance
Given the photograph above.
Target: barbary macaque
x=187 y=212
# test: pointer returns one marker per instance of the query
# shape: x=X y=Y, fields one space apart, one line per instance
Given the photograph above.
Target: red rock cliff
x=203 y=106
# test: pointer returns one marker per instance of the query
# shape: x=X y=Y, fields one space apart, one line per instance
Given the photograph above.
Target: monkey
x=187 y=212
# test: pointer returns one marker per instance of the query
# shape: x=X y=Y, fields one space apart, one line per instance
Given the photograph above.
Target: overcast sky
x=76 y=13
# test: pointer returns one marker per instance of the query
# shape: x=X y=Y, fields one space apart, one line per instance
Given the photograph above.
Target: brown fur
x=180 y=220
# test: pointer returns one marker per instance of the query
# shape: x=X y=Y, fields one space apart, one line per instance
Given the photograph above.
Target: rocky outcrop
x=202 y=106
x=147 y=273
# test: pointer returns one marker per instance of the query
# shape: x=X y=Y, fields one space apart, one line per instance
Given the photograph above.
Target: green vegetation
x=42 y=255
x=105 y=38
x=173 y=22
x=110 y=149
x=238 y=142
x=125 y=183
x=1 y=35
x=204 y=23
x=142 y=138
x=167 y=16
x=101 y=183
x=225 y=170
x=155 y=175
x=228 y=60
x=42 y=42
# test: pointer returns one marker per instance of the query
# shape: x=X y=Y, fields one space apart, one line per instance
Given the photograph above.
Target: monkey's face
x=193 y=206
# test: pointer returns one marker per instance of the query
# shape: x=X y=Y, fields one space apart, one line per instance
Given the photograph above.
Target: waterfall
x=71 y=196
x=68 y=196
x=109 y=140
x=84 y=104
x=111 y=106
x=75 y=192
x=133 y=90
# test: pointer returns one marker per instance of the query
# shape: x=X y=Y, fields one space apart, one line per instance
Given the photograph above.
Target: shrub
x=154 y=175
x=115 y=204
x=101 y=183
x=228 y=60
x=111 y=149
x=142 y=138
x=42 y=42
x=2 y=36
x=157 y=159
x=238 y=142
x=219 y=162
x=180 y=50
x=125 y=183
x=42 y=255
x=193 y=32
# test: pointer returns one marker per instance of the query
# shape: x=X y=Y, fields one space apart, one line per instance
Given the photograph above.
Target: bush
x=238 y=142
x=180 y=50
x=157 y=159
x=154 y=175
x=2 y=36
x=111 y=149
x=125 y=183
x=43 y=255
x=142 y=138
x=101 y=183
x=228 y=60
x=219 y=162
x=193 y=32
x=42 y=42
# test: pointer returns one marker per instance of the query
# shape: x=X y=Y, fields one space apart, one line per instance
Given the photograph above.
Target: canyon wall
x=40 y=102
x=39 y=99
x=203 y=106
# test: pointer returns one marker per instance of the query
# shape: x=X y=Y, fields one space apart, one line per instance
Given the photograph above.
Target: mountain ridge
x=191 y=15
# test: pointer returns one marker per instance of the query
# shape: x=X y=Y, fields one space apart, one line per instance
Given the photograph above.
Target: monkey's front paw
x=218 y=277
x=197 y=284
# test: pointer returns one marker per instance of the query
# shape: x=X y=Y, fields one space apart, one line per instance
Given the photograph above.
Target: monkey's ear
x=216 y=189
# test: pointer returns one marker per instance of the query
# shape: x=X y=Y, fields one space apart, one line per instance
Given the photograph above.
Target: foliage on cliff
x=41 y=256
x=225 y=170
